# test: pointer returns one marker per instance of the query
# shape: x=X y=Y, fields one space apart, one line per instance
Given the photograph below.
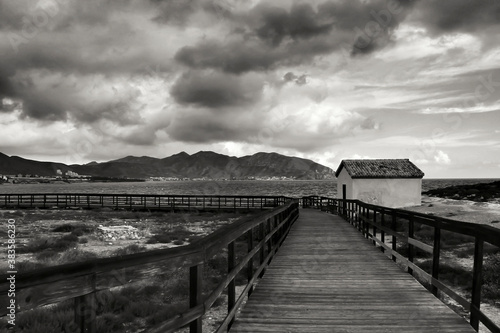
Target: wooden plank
x=328 y=278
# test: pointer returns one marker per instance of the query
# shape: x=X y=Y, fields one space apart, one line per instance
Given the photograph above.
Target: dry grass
x=134 y=306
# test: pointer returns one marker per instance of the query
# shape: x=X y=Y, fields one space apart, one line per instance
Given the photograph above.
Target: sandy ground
x=461 y=210
x=31 y=224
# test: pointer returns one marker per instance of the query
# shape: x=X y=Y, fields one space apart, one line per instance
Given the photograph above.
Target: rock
x=117 y=232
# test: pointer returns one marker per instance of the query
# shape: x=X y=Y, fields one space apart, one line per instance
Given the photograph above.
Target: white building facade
x=391 y=183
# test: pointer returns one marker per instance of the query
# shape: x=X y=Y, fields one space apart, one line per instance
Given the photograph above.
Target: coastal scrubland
x=54 y=237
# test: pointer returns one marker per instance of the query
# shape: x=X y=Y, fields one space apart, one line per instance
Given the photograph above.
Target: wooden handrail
x=140 y=201
x=81 y=281
x=363 y=216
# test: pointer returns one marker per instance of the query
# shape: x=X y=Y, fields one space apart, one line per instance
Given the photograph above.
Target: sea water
x=290 y=188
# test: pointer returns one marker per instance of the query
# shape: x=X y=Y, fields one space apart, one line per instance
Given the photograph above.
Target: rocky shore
x=483 y=192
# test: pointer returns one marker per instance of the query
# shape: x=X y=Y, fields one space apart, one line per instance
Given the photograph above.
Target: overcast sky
x=326 y=80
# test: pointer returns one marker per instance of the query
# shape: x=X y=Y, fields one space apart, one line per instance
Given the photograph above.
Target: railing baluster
x=382 y=232
x=393 y=227
x=366 y=226
x=85 y=313
x=261 y=251
x=436 y=251
x=231 y=288
x=476 y=283
x=195 y=295
x=270 y=241
x=250 y=262
x=411 y=248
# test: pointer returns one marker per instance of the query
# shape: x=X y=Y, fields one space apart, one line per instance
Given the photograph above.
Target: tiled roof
x=384 y=168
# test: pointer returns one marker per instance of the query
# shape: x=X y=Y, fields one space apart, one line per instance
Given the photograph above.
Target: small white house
x=386 y=182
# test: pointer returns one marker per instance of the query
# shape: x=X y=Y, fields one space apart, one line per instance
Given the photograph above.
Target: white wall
x=388 y=192
x=344 y=178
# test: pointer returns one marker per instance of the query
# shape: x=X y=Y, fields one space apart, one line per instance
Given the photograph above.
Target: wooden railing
x=81 y=281
x=140 y=201
x=377 y=223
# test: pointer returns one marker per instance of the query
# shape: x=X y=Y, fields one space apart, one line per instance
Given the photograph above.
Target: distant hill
x=205 y=164
x=15 y=165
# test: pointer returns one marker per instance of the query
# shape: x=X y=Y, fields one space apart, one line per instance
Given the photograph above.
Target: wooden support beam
x=195 y=295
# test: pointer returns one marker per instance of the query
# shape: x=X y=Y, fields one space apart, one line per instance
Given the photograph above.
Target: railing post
x=195 y=295
x=261 y=251
x=362 y=222
x=374 y=227
x=250 y=262
x=436 y=251
x=344 y=197
x=365 y=223
x=393 y=227
x=276 y=221
x=231 y=288
x=476 y=283
x=85 y=313
x=353 y=212
x=382 y=232
x=270 y=241
x=358 y=223
x=411 y=249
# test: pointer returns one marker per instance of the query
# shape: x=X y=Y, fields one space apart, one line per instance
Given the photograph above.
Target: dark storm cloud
x=215 y=90
x=457 y=15
x=273 y=36
x=57 y=15
x=301 y=22
x=205 y=127
x=175 y=11
x=50 y=105
x=372 y=22
x=299 y=80
x=46 y=96
x=232 y=57
x=54 y=53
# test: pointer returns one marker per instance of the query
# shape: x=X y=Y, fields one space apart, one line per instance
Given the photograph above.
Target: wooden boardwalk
x=328 y=278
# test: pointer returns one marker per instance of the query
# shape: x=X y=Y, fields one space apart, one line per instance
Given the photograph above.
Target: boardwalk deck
x=328 y=278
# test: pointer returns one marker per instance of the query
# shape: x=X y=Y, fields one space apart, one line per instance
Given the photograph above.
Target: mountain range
x=204 y=164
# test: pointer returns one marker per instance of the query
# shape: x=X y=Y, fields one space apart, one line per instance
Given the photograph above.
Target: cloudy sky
x=326 y=80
